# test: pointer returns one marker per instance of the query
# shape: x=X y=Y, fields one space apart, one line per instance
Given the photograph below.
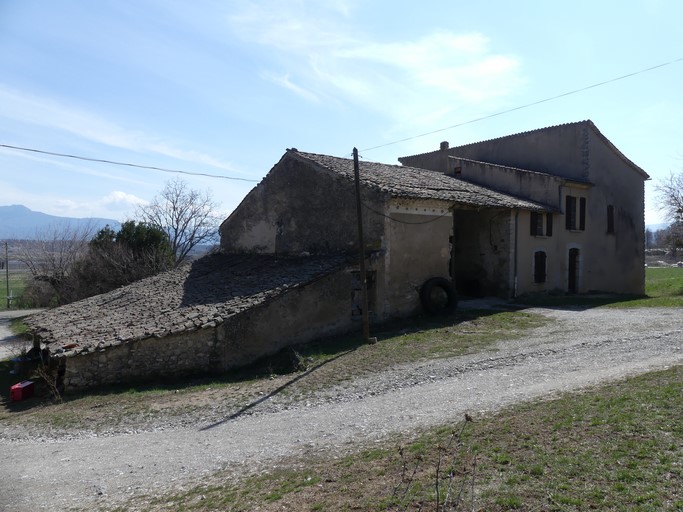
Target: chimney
x=443 y=157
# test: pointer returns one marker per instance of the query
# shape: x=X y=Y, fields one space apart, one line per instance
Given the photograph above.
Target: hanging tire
x=438 y=296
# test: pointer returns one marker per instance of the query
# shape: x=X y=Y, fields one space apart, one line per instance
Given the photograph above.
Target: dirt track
x=578 y=349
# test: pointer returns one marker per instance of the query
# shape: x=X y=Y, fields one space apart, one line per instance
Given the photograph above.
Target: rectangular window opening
x=575 y=218
x=541 y=224
x=539 y=266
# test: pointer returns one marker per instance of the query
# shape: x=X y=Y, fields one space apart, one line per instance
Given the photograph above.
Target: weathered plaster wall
x=299 y=208
x=539 y=187
x=554 y=247
x=483 y=252
x=609 y=262
x=417 y=249
x=435 y=161
x=562 y=150
x=321 y=308
x=615 y=262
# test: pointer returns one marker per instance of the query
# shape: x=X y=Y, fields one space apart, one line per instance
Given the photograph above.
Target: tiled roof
x=412 y=183
x=195 y=296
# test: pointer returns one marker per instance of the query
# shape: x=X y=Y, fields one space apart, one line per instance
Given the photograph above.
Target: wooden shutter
x=569 y=212
x=539 y=267
x=582 y=214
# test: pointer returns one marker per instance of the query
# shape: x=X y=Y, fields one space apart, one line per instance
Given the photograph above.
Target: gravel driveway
x=578 y=349
x=9 y=345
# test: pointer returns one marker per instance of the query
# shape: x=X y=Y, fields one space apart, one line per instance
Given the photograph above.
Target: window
x=610 y=218
x=541 y=225
x=539 y=267
x=575 y=219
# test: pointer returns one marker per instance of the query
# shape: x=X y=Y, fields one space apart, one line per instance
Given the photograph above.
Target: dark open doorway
x=573 y=271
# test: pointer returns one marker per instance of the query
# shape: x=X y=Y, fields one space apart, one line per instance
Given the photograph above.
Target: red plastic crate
x=21 y=391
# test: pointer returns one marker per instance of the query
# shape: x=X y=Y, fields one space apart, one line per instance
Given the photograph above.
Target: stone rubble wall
x=320 y=308
x=168 y=357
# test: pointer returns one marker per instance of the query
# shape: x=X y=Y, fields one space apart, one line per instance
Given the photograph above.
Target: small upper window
x=575 y=218
x=541 y=224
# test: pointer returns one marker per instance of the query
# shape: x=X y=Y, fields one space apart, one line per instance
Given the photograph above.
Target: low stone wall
x=166 y=357
x=319 y=308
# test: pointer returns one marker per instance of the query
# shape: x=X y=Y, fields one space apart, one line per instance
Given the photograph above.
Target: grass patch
x=663 y=288
x=18 y=327
x=330 y=362
x=617 y=447
x=18 y=280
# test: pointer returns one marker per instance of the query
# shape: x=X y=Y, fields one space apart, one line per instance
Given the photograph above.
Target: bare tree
x=51 y=256
x=187 y=216
x=670 y=196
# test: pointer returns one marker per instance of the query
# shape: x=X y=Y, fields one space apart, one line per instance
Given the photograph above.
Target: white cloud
x=320 y=56
x=118 y=200
x=47 y=112
x=285 y=81
x=115 y=205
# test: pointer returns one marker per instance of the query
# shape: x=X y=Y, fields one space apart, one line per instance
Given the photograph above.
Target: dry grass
x=330 y=362
x=618 y=447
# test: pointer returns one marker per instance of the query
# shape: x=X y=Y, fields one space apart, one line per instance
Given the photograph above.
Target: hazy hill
x=19 y=222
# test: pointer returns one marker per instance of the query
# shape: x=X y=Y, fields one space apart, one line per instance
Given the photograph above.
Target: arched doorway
x=573 y=271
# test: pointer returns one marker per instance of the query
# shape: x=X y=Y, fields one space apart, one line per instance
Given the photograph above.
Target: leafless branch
x=187 y=216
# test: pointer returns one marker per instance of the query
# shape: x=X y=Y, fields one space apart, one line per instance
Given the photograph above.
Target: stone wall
x=418 y=249
x=167 y=358
x=319 y=308
x=298 y=208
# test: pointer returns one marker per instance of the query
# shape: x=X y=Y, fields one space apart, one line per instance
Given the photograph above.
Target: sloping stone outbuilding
x=217 y=313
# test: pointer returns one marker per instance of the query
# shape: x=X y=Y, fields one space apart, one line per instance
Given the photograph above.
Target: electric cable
x=112 y=162
x=520 y=107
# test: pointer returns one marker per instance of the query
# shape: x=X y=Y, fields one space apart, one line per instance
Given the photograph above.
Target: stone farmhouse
x=590 y=239
x=553 y=210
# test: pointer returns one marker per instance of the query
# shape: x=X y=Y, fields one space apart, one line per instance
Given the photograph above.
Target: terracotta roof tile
x=413 y=183
x=195 y=296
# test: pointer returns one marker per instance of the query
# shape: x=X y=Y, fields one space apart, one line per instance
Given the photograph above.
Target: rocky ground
x=577 y=349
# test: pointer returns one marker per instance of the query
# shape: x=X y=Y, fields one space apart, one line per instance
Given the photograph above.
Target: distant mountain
x=18 y=222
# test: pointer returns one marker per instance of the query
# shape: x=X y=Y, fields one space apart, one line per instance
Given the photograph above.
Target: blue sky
x=224 y=87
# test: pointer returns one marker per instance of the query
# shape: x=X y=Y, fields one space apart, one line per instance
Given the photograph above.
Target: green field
x=17 y=284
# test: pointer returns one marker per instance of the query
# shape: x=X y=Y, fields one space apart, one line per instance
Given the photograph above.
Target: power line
x=112 y=162
x=575 y=91
x=393 y=219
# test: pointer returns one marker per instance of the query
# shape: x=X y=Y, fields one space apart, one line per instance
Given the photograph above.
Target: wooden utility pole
x=7 y=274
x=361 y=247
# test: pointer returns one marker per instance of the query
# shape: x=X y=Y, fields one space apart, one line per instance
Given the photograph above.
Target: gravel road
x=577 y=350
x=9 y=345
